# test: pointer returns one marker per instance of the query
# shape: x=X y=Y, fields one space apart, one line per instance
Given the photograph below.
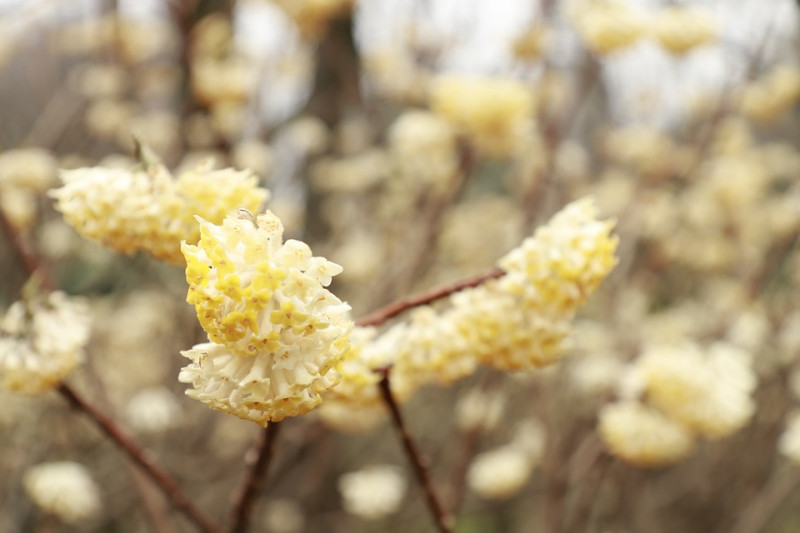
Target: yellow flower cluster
x=495 y=114
x=607 y=26
x=688 y=393
x=708 y=393
x=767 y=99
x=132 y=210
x=354 y=404
x=517 y=322
x=42 y=341
x=680 y=29
x=522 y=320
x=24 y=174
x=424 y=151
x=642 y=435
x=276 y=333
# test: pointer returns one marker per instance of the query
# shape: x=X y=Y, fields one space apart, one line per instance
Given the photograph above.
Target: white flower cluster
x=63 y=489
x=423 y=150
x=373 y=492
x=690 y=393
x=608 y=26
x=24 y=174
x=131 y=210
x=495 y=114
x=642 y=435
x=500 y=473
x=41 y=341
x=276 y=333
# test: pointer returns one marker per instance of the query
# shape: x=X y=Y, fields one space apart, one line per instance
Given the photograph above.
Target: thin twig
x=259 y=459
x=139 y=456
x=469 y=445
x=378 y=317
x=444 y=520
x=535 y=197
x=30 y=261
x=414 y=257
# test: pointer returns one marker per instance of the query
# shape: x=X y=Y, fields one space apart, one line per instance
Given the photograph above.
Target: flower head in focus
x=63 y=489
x=42 y=340
x=147 y=209
x=277 y=334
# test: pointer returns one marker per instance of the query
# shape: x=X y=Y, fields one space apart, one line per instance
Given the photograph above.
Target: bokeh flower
x=373 y=492
x=42 y=340
x=63 y=489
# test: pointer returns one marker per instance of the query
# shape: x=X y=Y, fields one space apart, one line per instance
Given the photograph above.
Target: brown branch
x=773 y=261
x=444 y=520
x=469 y=445
x=378 y=317
x=417 y=252
x=259 y=459
x=555 y=131
x=30 y=261
x=139 y=456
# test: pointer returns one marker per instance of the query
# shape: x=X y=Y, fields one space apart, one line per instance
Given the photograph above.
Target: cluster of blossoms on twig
x=149 y=210
x=518 y=322
x=277 y=334
x=677 y=394
x=64 y=489
x=42 y=340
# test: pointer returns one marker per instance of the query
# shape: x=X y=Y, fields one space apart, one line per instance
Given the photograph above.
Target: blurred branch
x=153 y=505
x=30 y=260
x=336 y=88
x=139 y=456
x=444 y=520
x=259 y=458
x=588 y=468
x=556 y=129
x=378 y=317
x=61 y=110
x=418 y=247
x=767 y=501
x=469 y=445
x=773 y=260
